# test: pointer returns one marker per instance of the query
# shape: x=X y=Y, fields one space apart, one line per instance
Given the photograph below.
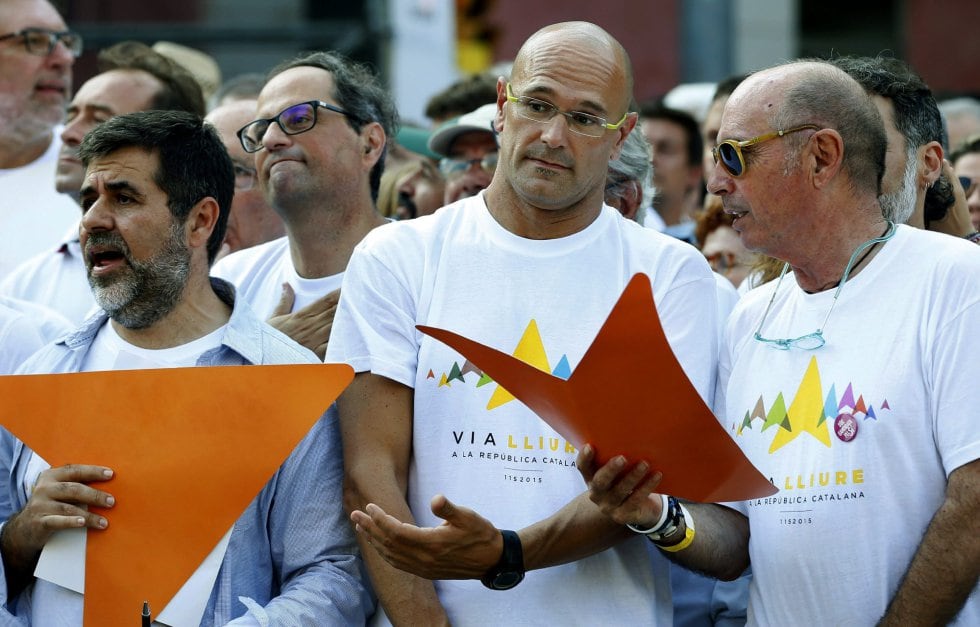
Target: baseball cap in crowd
x=417 y=140
x=480 y=119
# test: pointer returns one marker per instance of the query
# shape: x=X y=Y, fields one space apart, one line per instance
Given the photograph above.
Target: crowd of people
x=810 y=248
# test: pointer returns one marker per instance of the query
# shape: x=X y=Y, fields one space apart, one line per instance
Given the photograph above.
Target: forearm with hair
x=721 y=542
x=576 y=531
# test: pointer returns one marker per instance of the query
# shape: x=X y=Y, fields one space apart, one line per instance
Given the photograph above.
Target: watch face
x=507 y=580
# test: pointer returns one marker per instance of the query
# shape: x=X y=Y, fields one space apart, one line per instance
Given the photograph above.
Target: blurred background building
x=421 y=46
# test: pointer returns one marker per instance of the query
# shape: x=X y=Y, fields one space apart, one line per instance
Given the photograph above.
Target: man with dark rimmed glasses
x=849 y=382
x=319 y=142
x=37 y=52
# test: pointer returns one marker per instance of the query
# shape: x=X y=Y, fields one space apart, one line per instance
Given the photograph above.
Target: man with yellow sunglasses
x=849 y=382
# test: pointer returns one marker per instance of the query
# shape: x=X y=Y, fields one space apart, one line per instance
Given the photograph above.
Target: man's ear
x=498 y=118
x=622 y=133
x=373 y=140
x=824 y=153
x=201 y=222
x=930 y=164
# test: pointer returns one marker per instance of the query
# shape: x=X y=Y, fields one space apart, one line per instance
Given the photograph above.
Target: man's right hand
x=309 y=326
x=626 y=496
x=58 y=501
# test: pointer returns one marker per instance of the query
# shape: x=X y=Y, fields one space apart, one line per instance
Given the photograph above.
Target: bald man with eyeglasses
x=535 y=261
x=37 y=52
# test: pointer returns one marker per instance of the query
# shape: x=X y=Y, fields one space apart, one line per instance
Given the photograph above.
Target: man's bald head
x=601 y=54
x=816 y=92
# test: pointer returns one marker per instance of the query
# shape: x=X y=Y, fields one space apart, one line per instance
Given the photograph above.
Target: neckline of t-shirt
x=857 y=284
x=318 y=286
x=507 y=240
x=166 y=356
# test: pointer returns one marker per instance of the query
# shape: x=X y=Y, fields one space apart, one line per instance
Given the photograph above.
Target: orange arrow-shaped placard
x=629 y=396
x=190 y=447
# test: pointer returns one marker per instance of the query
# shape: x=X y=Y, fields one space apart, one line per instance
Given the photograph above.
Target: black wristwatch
x=509 y=571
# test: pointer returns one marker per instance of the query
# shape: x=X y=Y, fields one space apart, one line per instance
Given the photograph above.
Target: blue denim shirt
x=292 y=552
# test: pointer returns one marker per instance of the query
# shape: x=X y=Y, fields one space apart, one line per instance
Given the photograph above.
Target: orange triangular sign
x=190 y=447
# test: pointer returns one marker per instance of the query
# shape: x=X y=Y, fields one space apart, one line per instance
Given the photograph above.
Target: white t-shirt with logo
x=544 y=302
x=859 y=435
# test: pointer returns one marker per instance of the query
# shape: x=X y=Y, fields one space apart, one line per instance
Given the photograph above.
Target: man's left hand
x=465 y=546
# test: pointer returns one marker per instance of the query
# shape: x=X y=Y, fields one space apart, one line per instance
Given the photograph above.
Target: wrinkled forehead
x=130 y=163
x=752 y=106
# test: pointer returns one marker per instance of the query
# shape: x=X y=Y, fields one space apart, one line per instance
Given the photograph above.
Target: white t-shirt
x=34 y=217
x=859 y=435
x=111 y=352
x=258 y=274
x=544 y=301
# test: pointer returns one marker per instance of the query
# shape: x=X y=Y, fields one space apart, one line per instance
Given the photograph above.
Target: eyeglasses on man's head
x=41 y=41
x=578 y=122
x=292 y=120
x=729 y=152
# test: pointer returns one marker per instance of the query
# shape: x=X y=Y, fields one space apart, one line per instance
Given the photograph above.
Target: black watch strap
x=509 y=571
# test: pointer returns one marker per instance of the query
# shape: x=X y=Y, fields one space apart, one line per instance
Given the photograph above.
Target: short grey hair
x=633 y=165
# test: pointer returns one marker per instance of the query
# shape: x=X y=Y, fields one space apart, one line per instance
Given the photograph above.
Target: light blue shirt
x=292 y=552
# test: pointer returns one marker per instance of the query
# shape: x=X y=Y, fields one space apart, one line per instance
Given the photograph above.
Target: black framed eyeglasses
x=41 y=41
x=293 y=120
x=729 y=152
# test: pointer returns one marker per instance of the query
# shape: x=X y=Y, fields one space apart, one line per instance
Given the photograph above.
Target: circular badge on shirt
x=846 y=427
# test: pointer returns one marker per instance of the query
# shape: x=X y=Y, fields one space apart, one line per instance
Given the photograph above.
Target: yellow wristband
x=688 y=534
x=683 y=544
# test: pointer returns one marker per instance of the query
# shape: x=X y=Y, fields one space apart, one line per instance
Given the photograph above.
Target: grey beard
x=148 y=290
x=899 y=204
